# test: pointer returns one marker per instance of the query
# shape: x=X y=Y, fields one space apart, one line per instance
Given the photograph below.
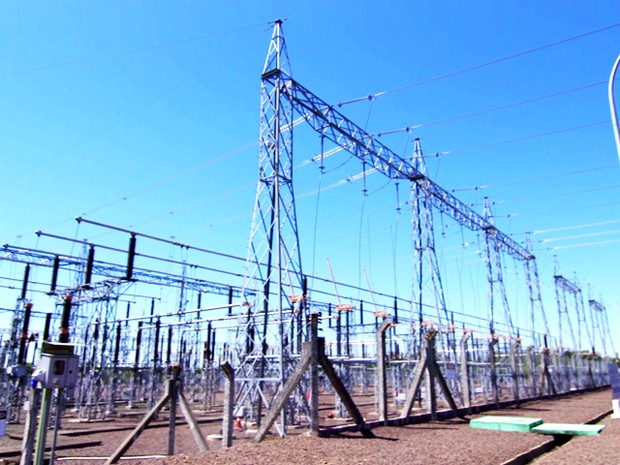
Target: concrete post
x=531 y=360
x=381 y=371
x=171 y=390
x=557 y=372
x=229 y=402
x=431 y=393
x=515 y=370
x=314 y=374
x=465 y=388
x=492 y=369
x=575 y=366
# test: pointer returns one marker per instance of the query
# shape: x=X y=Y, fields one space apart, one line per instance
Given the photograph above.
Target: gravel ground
x=445 y=442
x=603 y=449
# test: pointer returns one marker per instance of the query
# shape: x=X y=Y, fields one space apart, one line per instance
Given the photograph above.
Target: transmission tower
x=601 y=325
x=535 y=297
x=426 y=266
x=273 y=261
x=563 y=287
x=493 y=259
x=13 y=375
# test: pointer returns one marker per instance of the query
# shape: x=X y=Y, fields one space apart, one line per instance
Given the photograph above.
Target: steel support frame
x=334 y=126
x=425 y=263
x=274 y=258
x=492 y=248
x=562 y=287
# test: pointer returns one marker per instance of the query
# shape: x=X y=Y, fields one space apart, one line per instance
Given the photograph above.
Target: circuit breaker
x=58 y=366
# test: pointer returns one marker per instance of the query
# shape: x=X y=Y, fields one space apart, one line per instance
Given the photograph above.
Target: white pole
x=612 y=105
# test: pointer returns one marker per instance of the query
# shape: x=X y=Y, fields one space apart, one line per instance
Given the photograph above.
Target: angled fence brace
x=172 y=395
x=309 y=355
x=341 y=390
x=287 y=389
x=428 y=363
x=311 y=351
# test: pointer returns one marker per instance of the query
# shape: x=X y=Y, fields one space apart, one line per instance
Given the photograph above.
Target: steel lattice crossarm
x=595 y=305
x=566 y=284
x=339 y=129
x=116 y=272
x=34 y=257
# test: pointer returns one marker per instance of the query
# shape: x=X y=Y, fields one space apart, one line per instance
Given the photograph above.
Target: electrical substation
x=128 y=320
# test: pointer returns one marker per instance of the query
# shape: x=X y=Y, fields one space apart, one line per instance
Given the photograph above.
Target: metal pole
x=612 y=105
x=30 y=428
x=42 y=427
x=56 y=426
x=229 y=402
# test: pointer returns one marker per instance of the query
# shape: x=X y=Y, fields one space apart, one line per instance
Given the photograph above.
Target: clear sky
x=145 y=115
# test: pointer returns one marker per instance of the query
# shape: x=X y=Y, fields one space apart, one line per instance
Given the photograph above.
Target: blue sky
x=145 y=115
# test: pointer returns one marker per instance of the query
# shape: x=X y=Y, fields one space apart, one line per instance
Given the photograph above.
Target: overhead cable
x=126 y=52
x=372 y=97
x=520 y=139
x=493 y=109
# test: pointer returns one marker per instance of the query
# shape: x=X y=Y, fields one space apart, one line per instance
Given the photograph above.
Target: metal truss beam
x=333 y=125
x=426 y=265
x=562 y=287
x=567 y=285
x=598 y=313
x=535 y=296
x=115 y=273
x=497 y=290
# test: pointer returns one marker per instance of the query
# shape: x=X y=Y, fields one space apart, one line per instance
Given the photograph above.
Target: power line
x=126 y=52
x=563 y=194
x=162 y=182
x=114 y=123
x=580 y=236
x=579 y=226
x=521 y=139
x=534 y=179
x=551 y=176
x=355 y=177
x=589 y=244
x=493 y=109
x=195 y=204
x=572 y=208
x=371 y=97
x=176 y=177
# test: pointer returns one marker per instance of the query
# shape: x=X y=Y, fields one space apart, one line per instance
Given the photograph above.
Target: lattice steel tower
x=273 y=268
x=274 y=260
x=534 y=294
x=426 y=266
x=497 y=290
x=562 y=287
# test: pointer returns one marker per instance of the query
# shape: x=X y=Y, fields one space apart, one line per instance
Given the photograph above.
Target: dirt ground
x=441 y=442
